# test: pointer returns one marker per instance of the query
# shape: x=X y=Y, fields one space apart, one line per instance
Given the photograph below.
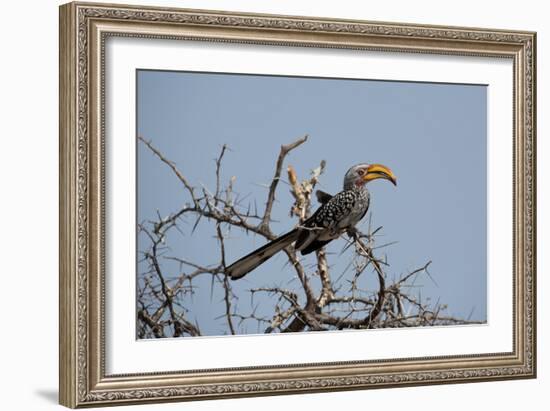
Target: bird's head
x=361 y=174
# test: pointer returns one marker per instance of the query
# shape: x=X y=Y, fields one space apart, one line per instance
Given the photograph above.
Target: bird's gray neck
x=355 y=187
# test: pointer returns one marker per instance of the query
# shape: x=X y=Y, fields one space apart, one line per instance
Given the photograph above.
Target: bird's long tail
x=257 y=257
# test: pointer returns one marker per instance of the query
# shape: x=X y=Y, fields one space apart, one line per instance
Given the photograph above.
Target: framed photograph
x=259 y=204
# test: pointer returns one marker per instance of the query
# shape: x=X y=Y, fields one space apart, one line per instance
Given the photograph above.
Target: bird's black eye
x=360 y=172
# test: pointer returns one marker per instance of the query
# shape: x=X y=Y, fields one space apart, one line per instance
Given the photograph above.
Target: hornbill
x=336 y=215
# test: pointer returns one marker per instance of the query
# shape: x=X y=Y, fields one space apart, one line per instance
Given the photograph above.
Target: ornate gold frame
x=83 y=30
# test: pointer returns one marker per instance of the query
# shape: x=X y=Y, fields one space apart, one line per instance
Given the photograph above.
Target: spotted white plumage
x=341 y=212
x=344 y=205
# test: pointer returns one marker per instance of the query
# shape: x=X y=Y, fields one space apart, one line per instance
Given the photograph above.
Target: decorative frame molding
x=83 y=30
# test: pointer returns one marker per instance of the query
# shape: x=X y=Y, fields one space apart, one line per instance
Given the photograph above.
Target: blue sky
x=433 y=136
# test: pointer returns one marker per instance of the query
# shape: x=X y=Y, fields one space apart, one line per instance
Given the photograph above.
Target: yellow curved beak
x=376 y=171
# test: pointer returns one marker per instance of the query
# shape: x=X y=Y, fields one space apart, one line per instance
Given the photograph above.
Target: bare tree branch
x=171 y=164
x=285 y=149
